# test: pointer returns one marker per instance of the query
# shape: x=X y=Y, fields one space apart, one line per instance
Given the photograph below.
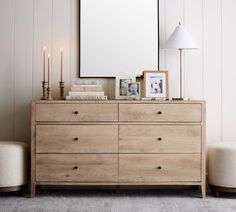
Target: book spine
x=86 y=97
x=74 y=93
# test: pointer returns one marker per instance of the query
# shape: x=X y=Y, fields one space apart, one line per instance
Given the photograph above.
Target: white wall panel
x=212 y=68
x=174 y=14
x=42 y=36
x=23 y=67
x=7 y=69
x=60 y=39
x=229 y=73
x=193 y=58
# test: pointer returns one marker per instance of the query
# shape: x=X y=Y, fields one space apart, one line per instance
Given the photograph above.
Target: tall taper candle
x=49 y=73
x=44 y=63
x=61 y=64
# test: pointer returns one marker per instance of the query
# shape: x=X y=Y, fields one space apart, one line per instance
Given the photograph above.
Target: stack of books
x=86 y=92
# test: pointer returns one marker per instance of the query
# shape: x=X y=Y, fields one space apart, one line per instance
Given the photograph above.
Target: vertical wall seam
x=184 y=55
x=165 y=30
x=14 y=69
x=33 y=34
x=70 y=44
x=203 y=51
x=51 y=40
x=221 y=56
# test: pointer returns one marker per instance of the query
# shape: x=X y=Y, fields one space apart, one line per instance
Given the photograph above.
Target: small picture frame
x=122 y=85
x=134 y=90
x=156 y=84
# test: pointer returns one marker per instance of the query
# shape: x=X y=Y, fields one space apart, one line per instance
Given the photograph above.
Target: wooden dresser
x=118 y=143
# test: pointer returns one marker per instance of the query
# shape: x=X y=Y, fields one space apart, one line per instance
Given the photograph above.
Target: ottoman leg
x=215 y=193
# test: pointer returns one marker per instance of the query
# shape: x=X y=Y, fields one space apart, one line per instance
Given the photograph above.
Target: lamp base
x=180 y=99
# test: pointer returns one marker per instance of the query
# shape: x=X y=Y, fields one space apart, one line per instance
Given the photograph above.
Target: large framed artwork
x=118 y=37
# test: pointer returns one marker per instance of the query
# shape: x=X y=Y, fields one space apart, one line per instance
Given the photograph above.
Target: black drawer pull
x=76 y=112
x=159 y=112
x=159 y=167
x=159 y=139
x=76 y=167
x=76 y=139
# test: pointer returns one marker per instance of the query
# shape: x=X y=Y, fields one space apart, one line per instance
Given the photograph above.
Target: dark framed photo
x=156 y=84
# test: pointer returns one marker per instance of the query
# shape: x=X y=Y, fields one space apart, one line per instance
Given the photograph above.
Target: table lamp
x=181 y=39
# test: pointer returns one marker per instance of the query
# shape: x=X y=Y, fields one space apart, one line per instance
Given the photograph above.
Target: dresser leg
x=32 y=190
x=203 y=190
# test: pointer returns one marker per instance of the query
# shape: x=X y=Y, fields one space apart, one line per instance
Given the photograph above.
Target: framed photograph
x=122 y=85
x=134 y=90
x=156 y=84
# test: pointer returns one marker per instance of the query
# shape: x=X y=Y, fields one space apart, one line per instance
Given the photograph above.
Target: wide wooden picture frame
x=156 y=84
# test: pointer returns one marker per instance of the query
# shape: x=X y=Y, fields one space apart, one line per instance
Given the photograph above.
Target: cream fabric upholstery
x=13 y=163
x=222 y=164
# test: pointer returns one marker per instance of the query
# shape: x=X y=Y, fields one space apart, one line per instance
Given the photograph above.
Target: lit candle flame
x=44 y=48
x=48 y=55
x=61 y=49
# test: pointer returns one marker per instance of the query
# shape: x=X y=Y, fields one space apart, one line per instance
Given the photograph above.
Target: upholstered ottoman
x=13 y=165
x=222 y=167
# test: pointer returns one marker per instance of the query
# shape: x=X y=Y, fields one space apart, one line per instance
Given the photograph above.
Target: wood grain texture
x=76 y=112
x=160 y=113
x=159 y=167
x=77 y=167
x=76 y=139
x=160 y=139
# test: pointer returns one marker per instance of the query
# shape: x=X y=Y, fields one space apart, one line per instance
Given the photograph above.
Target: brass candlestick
x=62 y=85
x=49 y=92
x=44 y=86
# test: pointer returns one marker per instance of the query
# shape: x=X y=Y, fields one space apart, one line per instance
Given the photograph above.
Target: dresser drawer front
x=160 y=138
x=77 y=167
x=160 y=112
x=159 y=168
x=77 y=139
x=76 y=112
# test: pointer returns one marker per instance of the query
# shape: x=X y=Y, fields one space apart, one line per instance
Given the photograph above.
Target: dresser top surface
x=117 y=102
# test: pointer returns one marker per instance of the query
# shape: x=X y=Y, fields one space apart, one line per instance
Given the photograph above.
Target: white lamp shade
x=181 y=39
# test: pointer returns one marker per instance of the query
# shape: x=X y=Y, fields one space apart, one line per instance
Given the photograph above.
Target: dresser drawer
x=160 y=138
x=77 y=112
x=77 y=167
x=159 y=167
x=160 y=112
x=77 y=139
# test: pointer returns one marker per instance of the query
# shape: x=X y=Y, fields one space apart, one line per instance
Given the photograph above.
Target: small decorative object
x=181 y=39
x=62 y=83
x=44 y=82
x=156 y=85
x=134 y=90
x=121 y=86
x=49 y=93
x=86 y=90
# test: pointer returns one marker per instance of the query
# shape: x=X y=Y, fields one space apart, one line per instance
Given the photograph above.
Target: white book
x=75 y=93
x=86 y=97
x=87 y=89
x=79 y=86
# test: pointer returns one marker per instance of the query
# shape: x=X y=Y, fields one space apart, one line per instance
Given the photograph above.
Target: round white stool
x=222 y=167
x=13 y=165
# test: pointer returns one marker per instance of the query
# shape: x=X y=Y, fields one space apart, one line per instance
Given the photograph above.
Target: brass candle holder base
x=62 y=86
x=180 y=99
x=49 y=92
x=44 y=86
